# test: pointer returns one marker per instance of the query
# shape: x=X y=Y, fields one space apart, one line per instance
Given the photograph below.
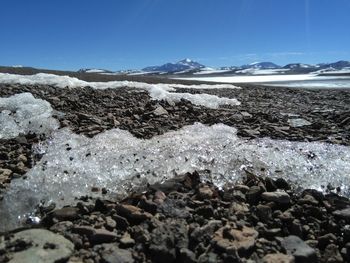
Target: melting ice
x=22 y=114
x=72 y=164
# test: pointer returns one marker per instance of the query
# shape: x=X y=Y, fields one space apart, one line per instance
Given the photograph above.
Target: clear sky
x=122 y=34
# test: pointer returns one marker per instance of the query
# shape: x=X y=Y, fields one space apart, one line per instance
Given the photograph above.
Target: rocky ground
x=188 y=220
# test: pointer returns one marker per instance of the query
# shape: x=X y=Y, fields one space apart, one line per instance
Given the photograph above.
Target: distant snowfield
x=308 y=81
x=260 y=79
x=156 y=91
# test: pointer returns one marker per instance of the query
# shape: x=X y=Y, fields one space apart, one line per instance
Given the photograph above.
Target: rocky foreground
x=188 y=219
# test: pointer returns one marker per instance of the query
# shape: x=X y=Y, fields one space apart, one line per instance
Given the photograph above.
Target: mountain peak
x=186 y=60
x=182 y=65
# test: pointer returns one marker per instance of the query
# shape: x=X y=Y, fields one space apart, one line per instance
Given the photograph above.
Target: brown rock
x=228 y=239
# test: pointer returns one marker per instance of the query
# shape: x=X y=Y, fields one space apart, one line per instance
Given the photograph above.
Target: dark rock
x=253 y=194
x=282 y=184
x=324 y=240
x=278 y=197
x=187 y=256
x=205 y=211
x=66 y=213
x=102 y=236
x=122 y=223
x=263 y=212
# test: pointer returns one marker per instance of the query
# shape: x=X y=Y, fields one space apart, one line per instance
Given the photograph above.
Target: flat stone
x=229 y=239
x=102 y=236
x=42 y=246
x=160 y=111
x=66 y=213
x=298 y=122
x=133 y=213
x=299 y=249
x=278 y=197
x=344 y=213
x=278 y=258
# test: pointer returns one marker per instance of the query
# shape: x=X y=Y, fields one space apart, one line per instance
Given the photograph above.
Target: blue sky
x=118 y=34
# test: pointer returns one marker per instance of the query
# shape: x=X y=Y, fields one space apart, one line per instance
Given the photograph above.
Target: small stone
x=110 y=223
x=278 y=258
x=5 y=172
x=299 y=249
x=62 y=226
x=242 y=241
x=122 y=223
x=309 y=200
x=206 y=211
x=112 y=254
x=324 y=240
x=133 y=213
x=253 y=194
x=242 y=188
x=22 y=158
x=205 y=193
x=160 y=111
x=282 y=184
x=298 y=122
x=126 y=241
x=344 y=213
x=66 y=213
x=102 y=236
x=263 y=212
x=187 y=256
x=278 y=197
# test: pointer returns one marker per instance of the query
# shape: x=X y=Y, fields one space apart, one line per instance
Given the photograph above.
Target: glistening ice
x=118 y=161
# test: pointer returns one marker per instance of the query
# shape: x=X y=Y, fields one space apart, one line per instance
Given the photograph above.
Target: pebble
x=278 y=197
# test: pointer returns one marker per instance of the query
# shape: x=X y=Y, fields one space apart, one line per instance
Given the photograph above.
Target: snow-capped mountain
x=93 y=70
x=261 y=65
x=182 y=65
x=189 y=67
x=298 y=66
x=338 y=65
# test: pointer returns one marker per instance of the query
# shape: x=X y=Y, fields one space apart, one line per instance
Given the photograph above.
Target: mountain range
x=189 y=67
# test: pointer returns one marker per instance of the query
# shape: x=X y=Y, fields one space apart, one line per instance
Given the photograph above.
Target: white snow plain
x=156 y=91
x=23 y=114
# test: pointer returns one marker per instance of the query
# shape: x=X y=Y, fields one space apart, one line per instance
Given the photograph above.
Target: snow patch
x=156 y=91
x=23 y=114
x=118 y=161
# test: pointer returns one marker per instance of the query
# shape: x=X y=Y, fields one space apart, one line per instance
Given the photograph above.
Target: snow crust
x=23 y=114
x=118 y=161
x=156 y=91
